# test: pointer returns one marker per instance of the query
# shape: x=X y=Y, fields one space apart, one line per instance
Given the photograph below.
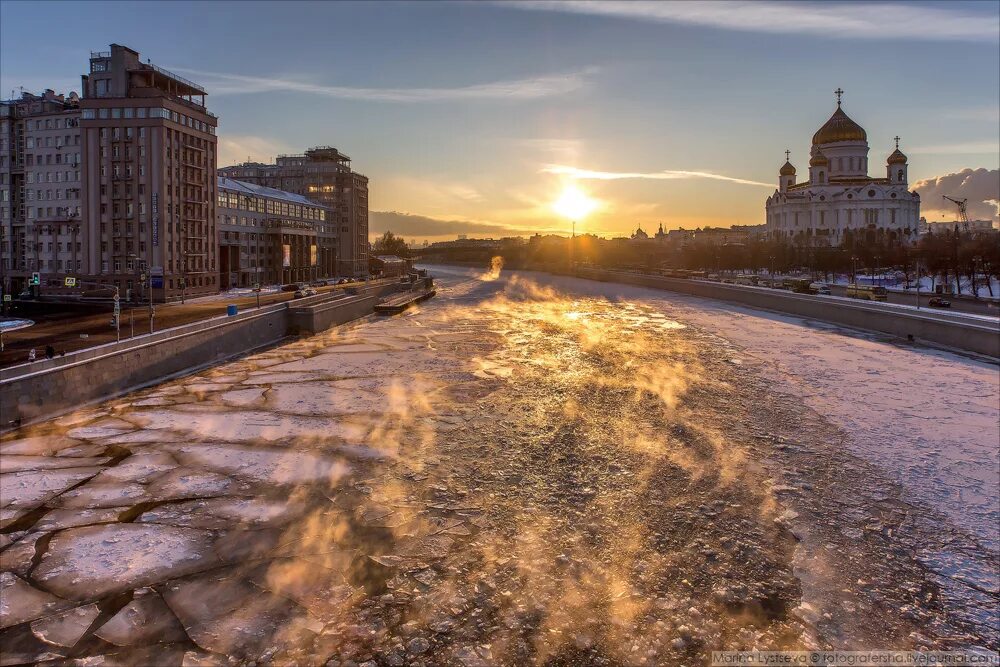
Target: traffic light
x=36 y=278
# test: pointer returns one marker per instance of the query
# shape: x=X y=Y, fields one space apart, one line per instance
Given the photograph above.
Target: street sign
x=69 y=281
x=7 y=297
x=117 y=297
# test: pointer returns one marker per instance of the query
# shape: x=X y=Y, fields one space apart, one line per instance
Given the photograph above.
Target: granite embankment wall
x=966 y=333
x=49 y=387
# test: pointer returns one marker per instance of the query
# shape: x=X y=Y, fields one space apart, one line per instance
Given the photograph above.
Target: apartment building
x=40 y=181
x=269 y=236
x=324 y=175
x=149 y=186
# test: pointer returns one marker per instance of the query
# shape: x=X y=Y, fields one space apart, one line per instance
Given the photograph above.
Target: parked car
x=938 y=302
x=820 y=288
x=292 y=287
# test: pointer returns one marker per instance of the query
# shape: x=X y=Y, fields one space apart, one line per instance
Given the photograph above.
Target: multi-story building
x=322 y=174
x=149 y=183
x=40 y=228
x=269 y=236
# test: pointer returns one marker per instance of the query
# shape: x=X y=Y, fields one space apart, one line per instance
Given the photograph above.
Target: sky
x=475 y=117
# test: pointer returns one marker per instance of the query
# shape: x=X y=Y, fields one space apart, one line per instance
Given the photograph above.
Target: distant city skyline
x=474 y=118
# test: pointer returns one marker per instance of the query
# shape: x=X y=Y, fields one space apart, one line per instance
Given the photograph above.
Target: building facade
x=40 y=184
x=322 y=174
x=269 y=236
x=840 y=199
x=149 y=184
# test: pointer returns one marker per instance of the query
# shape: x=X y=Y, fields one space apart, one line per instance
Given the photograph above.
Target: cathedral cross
x=788 y=154
x=897 y=141
x=838 y=93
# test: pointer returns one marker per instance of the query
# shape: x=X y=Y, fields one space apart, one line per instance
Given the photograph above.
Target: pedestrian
x=31 y=354
x=50 y=352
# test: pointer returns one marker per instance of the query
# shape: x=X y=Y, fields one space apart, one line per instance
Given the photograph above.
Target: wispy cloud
x=550 y=85
x=847 y=19
x=958 y=148
x=666 y=175
x=235 y=148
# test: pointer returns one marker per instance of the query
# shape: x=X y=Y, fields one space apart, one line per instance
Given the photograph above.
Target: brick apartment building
x=324 y=175
x=40 y=182
x=149 y=185
x=112 y=185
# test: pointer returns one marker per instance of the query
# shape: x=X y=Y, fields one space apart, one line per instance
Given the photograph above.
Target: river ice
x=524 y=469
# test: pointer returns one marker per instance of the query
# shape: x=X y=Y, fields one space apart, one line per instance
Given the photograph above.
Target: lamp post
x=975 y=265
x=918 y=284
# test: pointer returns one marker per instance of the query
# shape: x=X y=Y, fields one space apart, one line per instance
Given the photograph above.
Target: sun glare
x=574 y=204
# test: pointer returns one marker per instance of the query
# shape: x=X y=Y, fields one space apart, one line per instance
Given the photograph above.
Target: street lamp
x=975 y=265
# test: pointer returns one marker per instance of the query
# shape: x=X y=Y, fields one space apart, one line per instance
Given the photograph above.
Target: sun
x=574 y=204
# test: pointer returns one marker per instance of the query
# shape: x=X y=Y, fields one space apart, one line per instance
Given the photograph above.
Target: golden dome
x=839 y=128
x=787 y=169
x=819 y=160
x=897 y=157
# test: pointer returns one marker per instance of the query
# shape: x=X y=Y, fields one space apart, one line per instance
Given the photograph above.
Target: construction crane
x=963 y=214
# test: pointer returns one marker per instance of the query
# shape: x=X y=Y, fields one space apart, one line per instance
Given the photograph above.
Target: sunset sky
x=474 y=117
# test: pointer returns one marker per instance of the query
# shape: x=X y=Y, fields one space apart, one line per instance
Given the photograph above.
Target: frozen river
x=523 y=470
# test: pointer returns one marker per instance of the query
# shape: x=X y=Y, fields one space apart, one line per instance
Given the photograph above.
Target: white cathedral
x=839 y=195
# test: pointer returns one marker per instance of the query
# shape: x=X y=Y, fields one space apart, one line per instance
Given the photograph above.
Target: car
x=820 y=288
x=305 y=291
x=292 y=287
x=938 y=302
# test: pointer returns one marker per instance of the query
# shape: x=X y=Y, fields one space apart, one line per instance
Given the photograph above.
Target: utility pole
x=918 y=284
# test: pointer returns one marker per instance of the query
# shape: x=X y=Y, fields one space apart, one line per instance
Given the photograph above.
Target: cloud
x=848 y=19
x=965 y=148
x=220 y=83
x=410 y=225
x=980 y=186
x=666 y=175
x=236 y=148
x=986 y=114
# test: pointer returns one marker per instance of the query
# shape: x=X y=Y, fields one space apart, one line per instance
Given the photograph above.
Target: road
x=63 y=330
x=957 y=305
x=515 y=472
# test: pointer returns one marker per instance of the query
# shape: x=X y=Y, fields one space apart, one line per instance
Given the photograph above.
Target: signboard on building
x=155 y=210
x=313 y=255
x=286 y=255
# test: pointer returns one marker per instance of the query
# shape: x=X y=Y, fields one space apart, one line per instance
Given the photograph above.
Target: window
x=128 y=112
x=102 y=113
x=88 y=114
x=141 y=112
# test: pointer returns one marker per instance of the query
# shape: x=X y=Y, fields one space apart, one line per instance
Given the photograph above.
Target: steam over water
x=507 y=475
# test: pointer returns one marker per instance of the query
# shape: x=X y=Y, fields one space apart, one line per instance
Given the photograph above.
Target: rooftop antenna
x=839 y=92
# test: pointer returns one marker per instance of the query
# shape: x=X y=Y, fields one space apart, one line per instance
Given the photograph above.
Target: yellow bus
x=867 y=292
